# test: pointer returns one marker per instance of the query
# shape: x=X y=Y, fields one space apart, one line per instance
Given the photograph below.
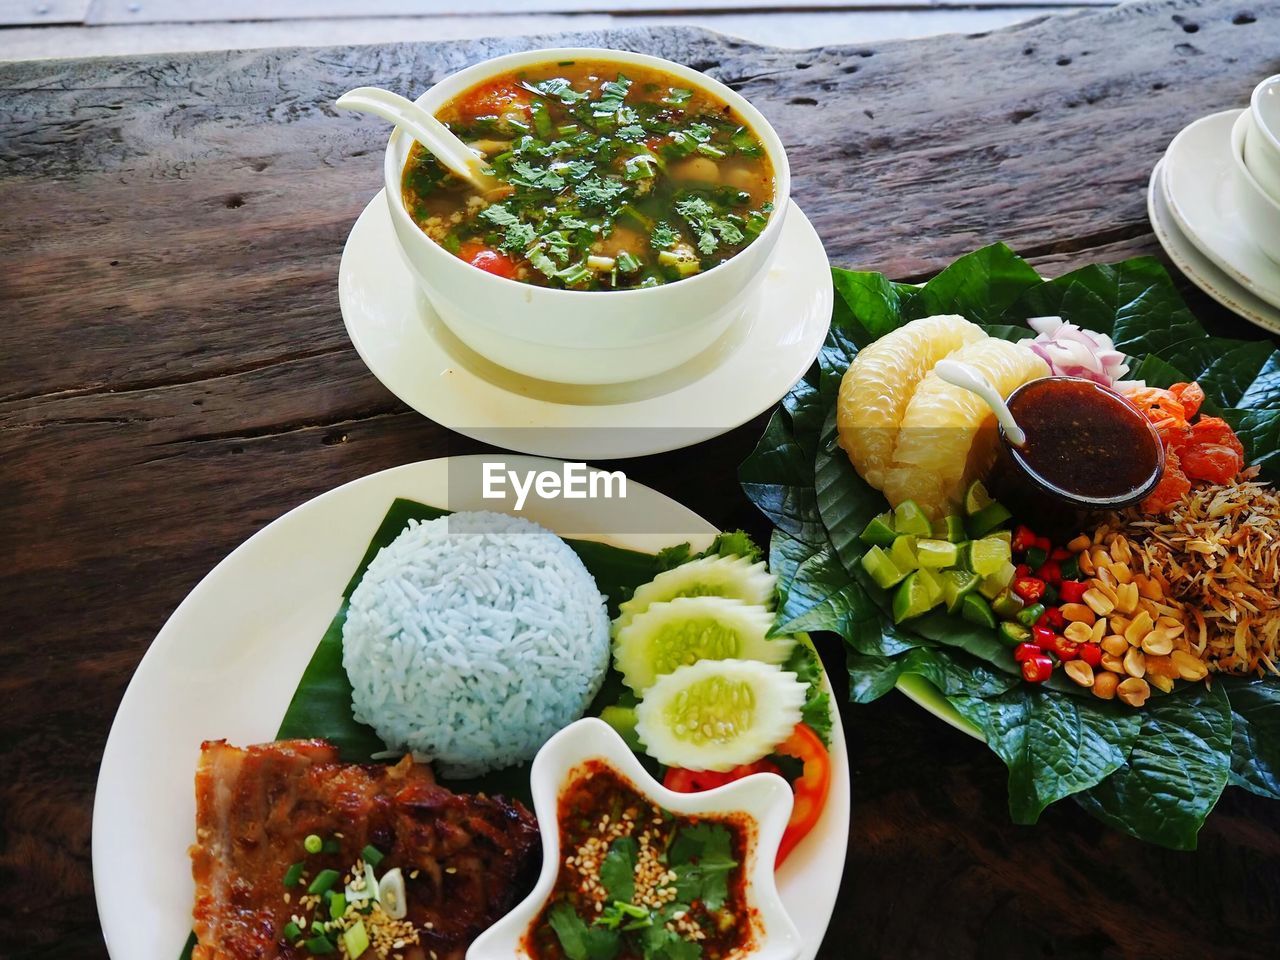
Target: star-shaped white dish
x=764 y=799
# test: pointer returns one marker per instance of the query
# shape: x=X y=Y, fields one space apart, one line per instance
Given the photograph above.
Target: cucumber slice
x=995 y=584
x=976 y=498
x=683 y=631
x=903 y=553
x=956 y=585
x=1013 y=633
x=881 y=569
x=909 y=518
x=937 y=554
x=987 y=519
x=913 y=597
x=988 y=555
x=879 y=531
x=951 y=528
x=719 y=714
x=976 y=610
x=734 y=577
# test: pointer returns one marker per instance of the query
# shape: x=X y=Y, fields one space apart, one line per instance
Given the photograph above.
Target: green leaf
x=867 y=305
x=1054 y=746
x=980 y=286
x=1134 y=301
x=1264 y=392
x=816 y=712
x=1176 y=772
x=701 y=854
x=579 y=941
x=822 y=596
x=1259 y=431
x=1255 y=734
x=617 y=871
x=872 y=676
x=778 y=479
x=1225 y=369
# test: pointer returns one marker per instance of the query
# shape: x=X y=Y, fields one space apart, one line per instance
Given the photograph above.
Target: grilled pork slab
x=464 y=860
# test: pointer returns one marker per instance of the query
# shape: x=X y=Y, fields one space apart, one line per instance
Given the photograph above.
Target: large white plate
x=1198 y=268
x=227 y=663
x=1202 y=196
x=415 y=356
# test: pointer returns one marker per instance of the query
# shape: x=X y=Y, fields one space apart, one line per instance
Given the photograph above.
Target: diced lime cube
x=909 y=518
x=976 y=498
x=912 y=598
x=976 y=610
x=956 y=585
x=988 y=555
x=903 y=553
x=950 y=527
x=881 y=568
x=933 y=583
x=879 y=531
x=994 y=585
x=987 y=519
x=937 y=554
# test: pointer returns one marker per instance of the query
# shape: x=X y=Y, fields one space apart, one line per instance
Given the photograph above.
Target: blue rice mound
x=473 y=638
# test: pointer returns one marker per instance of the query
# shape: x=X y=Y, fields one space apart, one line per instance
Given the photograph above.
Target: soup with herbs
x=614 y=177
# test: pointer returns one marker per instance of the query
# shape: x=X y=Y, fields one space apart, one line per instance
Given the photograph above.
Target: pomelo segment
x=947 y=436
x=880 y=382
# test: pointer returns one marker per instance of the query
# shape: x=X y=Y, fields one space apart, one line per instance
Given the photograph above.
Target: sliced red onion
x=1071 y=351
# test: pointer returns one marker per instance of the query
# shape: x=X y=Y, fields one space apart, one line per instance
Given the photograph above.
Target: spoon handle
x=426 y=129
x=969 y=378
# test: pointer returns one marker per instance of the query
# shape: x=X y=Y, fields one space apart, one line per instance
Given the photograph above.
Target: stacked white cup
x=1255 y=148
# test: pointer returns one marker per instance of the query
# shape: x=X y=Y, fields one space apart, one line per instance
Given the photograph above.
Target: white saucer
x=742 y=374
x=1197 y=267
x=1200 y=189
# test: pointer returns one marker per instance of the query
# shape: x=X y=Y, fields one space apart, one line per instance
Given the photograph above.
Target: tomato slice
x=695 y=781
x=810 y=789
x=490 y=261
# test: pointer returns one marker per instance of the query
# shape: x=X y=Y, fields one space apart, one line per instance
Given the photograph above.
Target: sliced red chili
x=1037 y=669
x=1025 y=651
x=1072 y=591
x=1029 y=589
x=1091 y=654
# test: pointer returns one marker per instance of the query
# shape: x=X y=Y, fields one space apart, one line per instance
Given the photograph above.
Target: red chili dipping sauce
x=1084 y=442
x=638 y=882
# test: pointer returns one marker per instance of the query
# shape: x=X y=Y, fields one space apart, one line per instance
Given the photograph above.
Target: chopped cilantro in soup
x=615 y=177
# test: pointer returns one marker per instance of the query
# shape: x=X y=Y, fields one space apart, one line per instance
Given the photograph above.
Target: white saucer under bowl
x=1200 y=189
x=742 y=374
x=1198 y=268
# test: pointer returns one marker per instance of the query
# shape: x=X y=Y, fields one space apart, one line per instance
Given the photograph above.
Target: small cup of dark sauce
x=1088 y=449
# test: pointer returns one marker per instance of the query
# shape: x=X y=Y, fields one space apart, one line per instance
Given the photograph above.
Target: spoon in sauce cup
x=438 y=139
x=968 y=378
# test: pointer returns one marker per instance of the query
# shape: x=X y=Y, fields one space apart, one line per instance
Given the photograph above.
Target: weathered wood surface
x=174 y=374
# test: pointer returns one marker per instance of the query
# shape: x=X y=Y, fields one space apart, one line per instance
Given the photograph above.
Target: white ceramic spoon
x=968 y=378
x=438 y=139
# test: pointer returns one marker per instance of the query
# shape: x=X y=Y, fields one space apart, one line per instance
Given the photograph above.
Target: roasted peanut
x=1133 y=691
x=1189 y=667
x=1135 y=663
x=1120 y=551
x=1104 y=685
x=1099 y=630
x=1157 y=642
x=1080 y=672
x=1112 y=663
x=1082 y=542
x=1138 y=628
x=1115 y=645
x=1098 y=602
x=1160 y=682
x=1078 y=612
x=1078 y=632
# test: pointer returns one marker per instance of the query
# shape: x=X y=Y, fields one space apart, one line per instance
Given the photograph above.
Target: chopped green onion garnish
x=627 y=263
x=313 y=843
x=317 y=928
x=323 y=881
x=356 y=939
x=337 y=906
x=331 y=845
x=291 y=931
x=372 y=855
x=294 y=874
x=320 y=945
x=565 y=129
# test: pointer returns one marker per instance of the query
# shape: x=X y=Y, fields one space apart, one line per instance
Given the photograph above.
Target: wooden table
x=174 y=374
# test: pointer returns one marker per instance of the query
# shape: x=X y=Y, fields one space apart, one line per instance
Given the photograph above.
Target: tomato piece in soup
x=490 y=261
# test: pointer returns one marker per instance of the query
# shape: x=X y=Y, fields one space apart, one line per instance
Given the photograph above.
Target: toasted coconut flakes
x=1217 y=557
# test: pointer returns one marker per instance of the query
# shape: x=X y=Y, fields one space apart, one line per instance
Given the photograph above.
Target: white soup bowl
x=578 y=336
x=1260 y=211
x=1262 y=136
